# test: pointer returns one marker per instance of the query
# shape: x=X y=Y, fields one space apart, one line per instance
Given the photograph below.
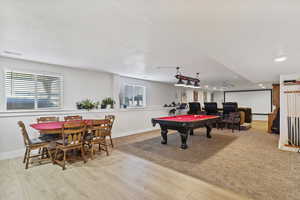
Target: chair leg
x=111 y=142
x=232 y=127
x=27 y=159
x=42 y=152
x=49 y=153
x=55 y=155
x=82 y=154
x=92 y=151
x=64 y=161
x=25 y=155
x=105 y=146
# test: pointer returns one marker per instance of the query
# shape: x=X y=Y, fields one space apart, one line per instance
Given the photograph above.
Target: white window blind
x=27 y=91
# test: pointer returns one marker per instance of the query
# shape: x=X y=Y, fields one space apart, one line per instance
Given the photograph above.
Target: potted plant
x=86 y=104
x=107 y=102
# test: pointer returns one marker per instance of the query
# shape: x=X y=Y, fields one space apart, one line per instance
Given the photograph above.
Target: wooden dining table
x=55 y=127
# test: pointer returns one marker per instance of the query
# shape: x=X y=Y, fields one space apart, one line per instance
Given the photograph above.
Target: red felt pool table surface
x=188 y=118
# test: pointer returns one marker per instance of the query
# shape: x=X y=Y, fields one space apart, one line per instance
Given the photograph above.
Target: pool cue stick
x=297 y=113
x=295 y=119
x=288 y=118
x=292 y=120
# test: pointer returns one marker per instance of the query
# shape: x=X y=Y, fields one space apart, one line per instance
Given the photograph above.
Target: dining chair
x=33 y=144
x=48 y=137
x=47 y=119
x=72 y=139
x=72 y=118
x=99 y=130
x=111 y=119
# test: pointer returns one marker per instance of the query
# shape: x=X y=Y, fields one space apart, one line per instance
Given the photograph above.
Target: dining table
x=55 y=127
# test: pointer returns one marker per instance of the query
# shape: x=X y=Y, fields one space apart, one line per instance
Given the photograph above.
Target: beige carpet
x=247 y=162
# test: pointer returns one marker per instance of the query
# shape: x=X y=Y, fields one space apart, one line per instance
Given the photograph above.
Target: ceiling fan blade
x=166 y=67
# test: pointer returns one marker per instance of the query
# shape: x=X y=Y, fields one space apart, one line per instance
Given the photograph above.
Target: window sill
x=27 y=113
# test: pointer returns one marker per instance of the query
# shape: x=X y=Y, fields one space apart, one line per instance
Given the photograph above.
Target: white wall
x=283 y=107
x=157 y=93
x=259 y=101
x=79 y=85
x=219 y=98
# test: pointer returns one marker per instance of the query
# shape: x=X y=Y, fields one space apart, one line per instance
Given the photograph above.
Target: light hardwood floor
x=117 y=177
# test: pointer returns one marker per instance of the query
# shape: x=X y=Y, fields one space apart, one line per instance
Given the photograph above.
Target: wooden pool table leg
x=208 y=130
x=192 y=132
x=164 y=135
x=184 y=136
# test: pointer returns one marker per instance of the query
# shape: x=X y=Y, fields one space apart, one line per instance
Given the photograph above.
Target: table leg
x=184 y=136
x=164 y=136
x=208 y=130
x=192 y=132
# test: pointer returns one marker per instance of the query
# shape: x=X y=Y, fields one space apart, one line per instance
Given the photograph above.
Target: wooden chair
x=73 y=118
x=111 y=119
x=33 y=144
x=48 y=137
x=72 y=139
x=47 y=119
x=99 y=131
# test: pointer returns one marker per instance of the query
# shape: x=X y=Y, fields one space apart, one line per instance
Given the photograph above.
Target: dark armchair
x=229 y=107
x=211 y=108
x=195 y=108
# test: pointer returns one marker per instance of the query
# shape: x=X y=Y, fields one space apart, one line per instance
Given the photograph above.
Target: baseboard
x=20 y=152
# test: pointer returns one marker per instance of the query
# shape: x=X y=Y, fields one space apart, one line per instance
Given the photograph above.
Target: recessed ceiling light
x=260 y=85
x=206 y=86
x=280 y=59
x=215 y=88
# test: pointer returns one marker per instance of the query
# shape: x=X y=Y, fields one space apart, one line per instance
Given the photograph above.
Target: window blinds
x=25 y=91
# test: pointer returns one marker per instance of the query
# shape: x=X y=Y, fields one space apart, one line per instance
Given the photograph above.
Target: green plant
x=108 y=101
x=87 y=104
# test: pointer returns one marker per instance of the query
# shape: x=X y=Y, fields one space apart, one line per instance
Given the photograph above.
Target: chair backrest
x=47 y=119
x=101 y=127
x=211 y=107
x=24 y=133
x=73 y=133
x=72 y=118
x=111 y=119
x=195 y=108
x=229 y=107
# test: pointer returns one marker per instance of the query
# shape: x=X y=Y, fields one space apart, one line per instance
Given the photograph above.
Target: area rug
x=246 y=162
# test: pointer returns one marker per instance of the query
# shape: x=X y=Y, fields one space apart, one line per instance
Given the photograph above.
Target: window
x=134 y=96
x=27 y=91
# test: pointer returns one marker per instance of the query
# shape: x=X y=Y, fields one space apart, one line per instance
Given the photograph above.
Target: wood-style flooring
x=119 y=176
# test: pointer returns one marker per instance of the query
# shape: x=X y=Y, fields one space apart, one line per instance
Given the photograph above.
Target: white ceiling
x=232 y=41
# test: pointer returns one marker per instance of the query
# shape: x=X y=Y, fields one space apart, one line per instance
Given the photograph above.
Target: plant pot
x=103 y=106
x=108 y=106
x=78 y=106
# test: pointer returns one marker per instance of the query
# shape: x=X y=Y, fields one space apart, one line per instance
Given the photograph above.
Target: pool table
x=185 y=125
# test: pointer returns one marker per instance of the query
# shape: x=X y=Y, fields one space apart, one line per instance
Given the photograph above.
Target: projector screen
x=259 y=100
